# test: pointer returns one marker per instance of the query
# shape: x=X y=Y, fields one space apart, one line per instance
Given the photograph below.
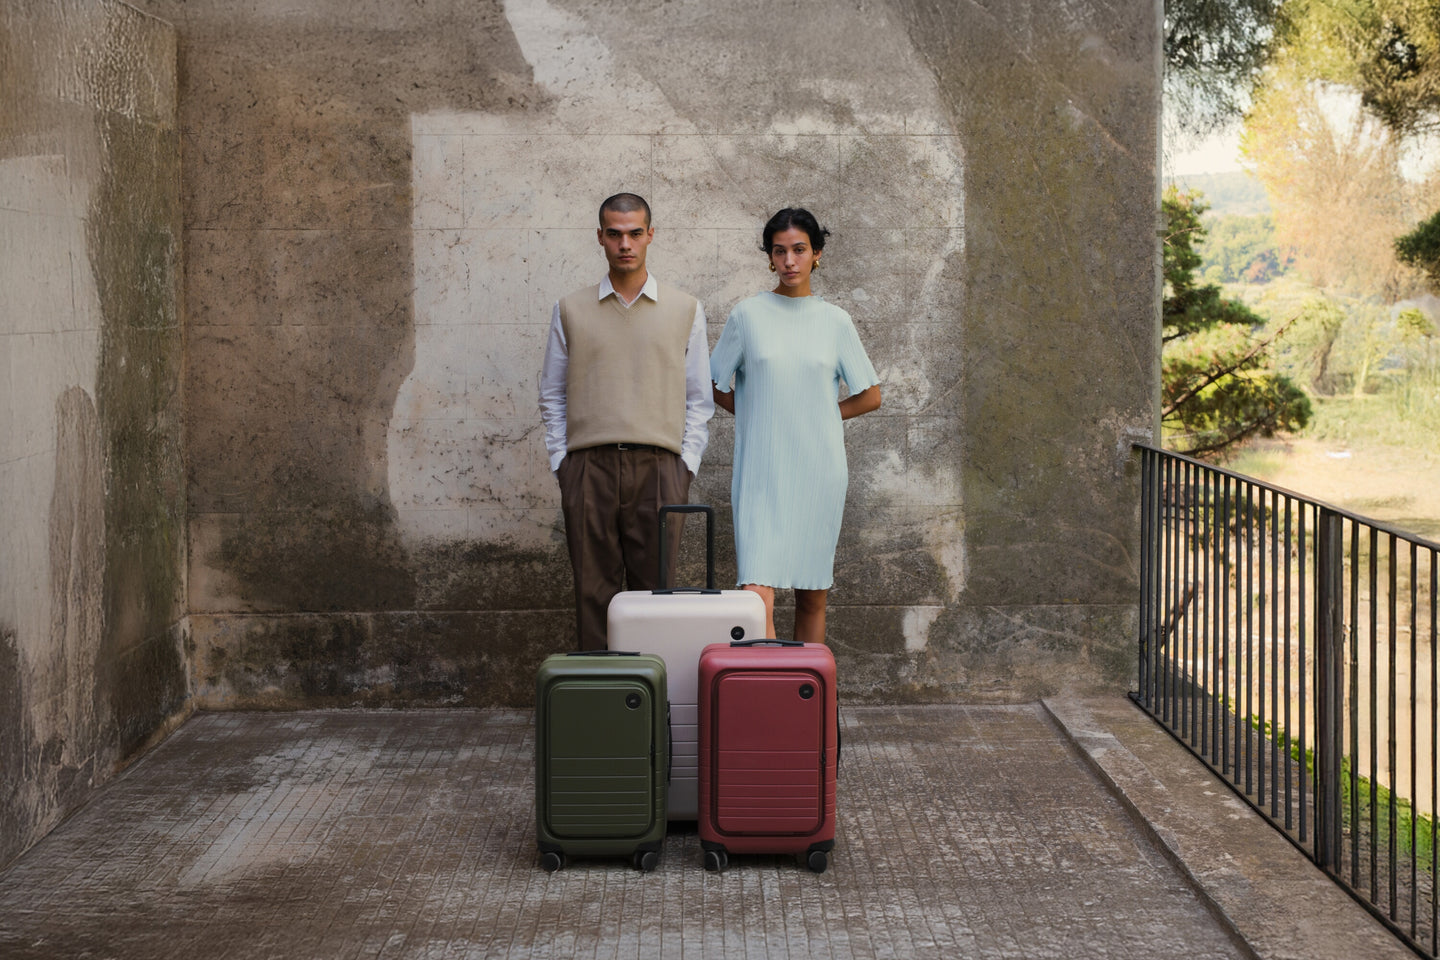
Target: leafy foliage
x=1387 y=50
x=1243 y=250
x=1217 y=385
x=1214 y=51
x=1190 y=306
x=1414 y=325
x=1421 y=248
x=1342 y=95
x=1390 y=52
x=1310 y=347
x=1334 y=176
x=1401 y=74
x=1338 y=345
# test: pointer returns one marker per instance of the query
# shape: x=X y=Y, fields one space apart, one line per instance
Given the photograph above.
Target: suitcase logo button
x=632 y=701
x=806 y=691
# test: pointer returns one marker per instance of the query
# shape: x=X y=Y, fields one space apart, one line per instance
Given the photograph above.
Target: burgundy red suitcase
x=768 y=750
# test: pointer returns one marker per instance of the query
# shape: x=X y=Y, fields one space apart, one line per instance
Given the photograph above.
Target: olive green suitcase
x=601 y=756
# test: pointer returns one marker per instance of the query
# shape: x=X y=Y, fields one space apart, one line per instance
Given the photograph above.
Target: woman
x=786 y=351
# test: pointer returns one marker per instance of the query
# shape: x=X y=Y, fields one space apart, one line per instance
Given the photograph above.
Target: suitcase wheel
x=552 y=860
x=646 y=860
x=716 y=860
x=817 y=861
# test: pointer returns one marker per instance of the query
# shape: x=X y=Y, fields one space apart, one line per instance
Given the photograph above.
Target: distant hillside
x=1236 y=193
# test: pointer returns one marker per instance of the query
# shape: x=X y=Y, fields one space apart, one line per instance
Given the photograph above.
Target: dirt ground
x=1396 y=486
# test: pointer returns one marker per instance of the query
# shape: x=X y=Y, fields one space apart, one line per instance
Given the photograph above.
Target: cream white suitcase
x=676 y=624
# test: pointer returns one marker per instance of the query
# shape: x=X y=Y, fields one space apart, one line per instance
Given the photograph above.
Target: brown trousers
x=611 y=498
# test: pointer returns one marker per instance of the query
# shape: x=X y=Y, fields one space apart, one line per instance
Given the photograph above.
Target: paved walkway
x=964 y=831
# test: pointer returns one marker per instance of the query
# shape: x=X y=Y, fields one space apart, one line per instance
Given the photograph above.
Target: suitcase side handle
x=709 y=512
x=768 y=642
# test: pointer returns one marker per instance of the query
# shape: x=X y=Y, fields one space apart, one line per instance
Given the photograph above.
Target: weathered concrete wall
x=382 y=201
x=92 y=659
x=1057 y=103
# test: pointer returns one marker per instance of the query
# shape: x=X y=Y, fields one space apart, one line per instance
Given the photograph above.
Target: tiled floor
x=963 y=832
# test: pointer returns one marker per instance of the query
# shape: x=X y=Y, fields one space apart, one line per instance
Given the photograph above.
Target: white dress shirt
x=699 y=401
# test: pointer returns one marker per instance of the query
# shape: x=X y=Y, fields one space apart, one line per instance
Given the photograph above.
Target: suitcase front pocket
x=769 y=753
x=600 y=759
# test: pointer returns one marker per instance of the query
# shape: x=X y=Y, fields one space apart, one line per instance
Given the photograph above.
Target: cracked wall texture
x=382 y=200
x=92 y=630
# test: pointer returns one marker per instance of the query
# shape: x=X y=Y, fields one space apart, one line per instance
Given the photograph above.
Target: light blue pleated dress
x=787 y=356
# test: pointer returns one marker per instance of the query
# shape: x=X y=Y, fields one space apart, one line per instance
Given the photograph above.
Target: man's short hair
x=625 y=203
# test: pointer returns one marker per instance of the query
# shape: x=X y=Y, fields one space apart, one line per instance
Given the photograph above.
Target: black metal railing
x=1292 y=646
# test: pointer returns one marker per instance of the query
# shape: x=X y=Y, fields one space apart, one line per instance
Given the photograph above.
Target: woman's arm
x=857 y=403
x=725 y=400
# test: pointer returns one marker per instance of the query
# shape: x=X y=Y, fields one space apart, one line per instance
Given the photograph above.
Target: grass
x=1376 y=455
x=1420 y=846
x=1257 y=462
x=1418 y=842
x=1403 y=413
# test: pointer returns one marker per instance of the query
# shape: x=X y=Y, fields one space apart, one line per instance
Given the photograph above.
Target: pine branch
x=1233 y=438
x=1222 y=372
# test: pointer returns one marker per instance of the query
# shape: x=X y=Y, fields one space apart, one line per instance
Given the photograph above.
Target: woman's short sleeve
x=855 y=366
x=729 y=353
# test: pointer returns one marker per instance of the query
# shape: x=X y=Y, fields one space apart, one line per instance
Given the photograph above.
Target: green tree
x=1368 y=338
x=1414 y=325
x=1335 y=181
x=1242 y=249
x=1421 y=248
x=1386 y=50
x=1309 y=345
x=1418 y=395
x=1214 y=52
x=1400 y=64
x=1217 y=384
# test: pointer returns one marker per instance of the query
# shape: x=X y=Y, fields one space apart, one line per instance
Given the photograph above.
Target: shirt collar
x=651 y=289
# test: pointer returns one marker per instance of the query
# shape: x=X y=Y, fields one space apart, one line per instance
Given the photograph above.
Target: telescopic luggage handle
x=709 y=512
x=768 y=641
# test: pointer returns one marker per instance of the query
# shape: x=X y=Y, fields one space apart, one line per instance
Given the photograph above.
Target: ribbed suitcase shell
x=676 y=625
x=601 y=755
x=767 y=750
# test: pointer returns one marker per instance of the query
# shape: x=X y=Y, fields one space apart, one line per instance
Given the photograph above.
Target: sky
x=1219 y=153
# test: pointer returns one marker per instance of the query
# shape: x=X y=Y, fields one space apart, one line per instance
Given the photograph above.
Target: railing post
x=1147 y=575
x=1329 y=702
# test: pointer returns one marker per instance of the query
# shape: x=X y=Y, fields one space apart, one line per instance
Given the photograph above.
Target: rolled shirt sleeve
x=553 y=373
x=699 y=399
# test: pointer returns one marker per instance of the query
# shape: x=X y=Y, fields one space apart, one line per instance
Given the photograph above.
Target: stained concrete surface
x=977 y=831
x=382 y=200
x=1266 y=889
x=92 y=488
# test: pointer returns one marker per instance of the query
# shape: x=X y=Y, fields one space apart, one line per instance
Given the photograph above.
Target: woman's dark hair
x=801 y=219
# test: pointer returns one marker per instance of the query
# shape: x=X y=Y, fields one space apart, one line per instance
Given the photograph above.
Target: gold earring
x=815 y=266
x=772 y=266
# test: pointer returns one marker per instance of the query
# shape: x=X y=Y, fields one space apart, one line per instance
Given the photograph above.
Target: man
x=625 y=398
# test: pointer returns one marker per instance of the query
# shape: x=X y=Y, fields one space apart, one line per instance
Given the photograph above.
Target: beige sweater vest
x=626 y=371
